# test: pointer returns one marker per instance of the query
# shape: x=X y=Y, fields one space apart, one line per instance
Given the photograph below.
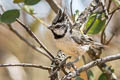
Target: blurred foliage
x=18 y=1
x=27 y=2
x=10 y=16
x=102 y=77
x=78 y=78
x=31 y=2
x=28 y=9
x=90 y=74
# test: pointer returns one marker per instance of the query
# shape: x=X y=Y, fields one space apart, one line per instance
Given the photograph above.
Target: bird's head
x=60 y=25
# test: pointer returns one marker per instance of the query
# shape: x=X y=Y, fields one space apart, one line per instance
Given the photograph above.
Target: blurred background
x=13 y=50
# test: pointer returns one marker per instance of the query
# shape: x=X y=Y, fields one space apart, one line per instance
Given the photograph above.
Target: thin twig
x=38 y=19
x=108 y=8
x=60 y=65
x=29 y=31
x=31 y=34
x=55 y=7
x=28 y=43
x=35 y=37
x=103 y=32
x=71 y=10
x=110 y=39
x=114 y=10
x=25 y=65
x=92 y=64
x=1 y=7
x=85 y=62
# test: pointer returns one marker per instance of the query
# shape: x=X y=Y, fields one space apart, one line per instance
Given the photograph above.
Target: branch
x=25 y=65
x=71 y=10
x=92 y=64
x=60 y=66
x=110 y=39
x=34 y=37
x=31 y=34
x=54 y=5
x=28 y=43
x=103 y=32
x=29 y=31
x=38 y=19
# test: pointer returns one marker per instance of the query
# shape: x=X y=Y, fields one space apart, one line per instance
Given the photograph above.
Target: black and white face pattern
x=61 y=22
x=59 y=25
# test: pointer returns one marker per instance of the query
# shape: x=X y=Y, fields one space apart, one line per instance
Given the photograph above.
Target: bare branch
x=28 y=43
x=103 y=32
x=38 y=19
x=25 y=65
x=85 y=62
x=110 y=39
x=60 y=65
x=29 y=31
x=71 y=10
x=54 y=5
x=108 y=8
x=92 y=64
x=32 y=35
x=35 y=37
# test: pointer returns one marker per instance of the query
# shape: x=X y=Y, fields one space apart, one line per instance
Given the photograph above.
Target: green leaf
x=0 y=20
x=10 y=16
x=102 y=77
x=98 y=25
x=18 y=1
x=78 y=78
x=31 y=2
x=90 y=73
x=28 y=9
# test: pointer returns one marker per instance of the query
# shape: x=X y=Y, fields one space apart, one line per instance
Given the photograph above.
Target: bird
x=61 y=29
